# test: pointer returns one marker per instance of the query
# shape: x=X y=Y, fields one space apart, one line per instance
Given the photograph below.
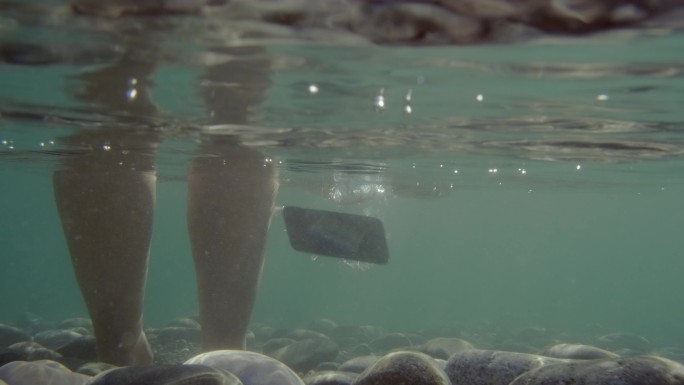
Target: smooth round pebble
x=389 y=342
x=358 y=364
x=404 y=368
x=578 y=352
x=174 y=333
x=40 y=372
x=76 y=322
x=34 y=351
x=55 y=338
x=94 y=368
x=443 y=348
x=250 y=367
x=330 y=378
x=491 y=367
x=322 y=325
x=304 y=355
x=623 y=371
x=10 y=335
x=84 y=348
x=165 y=375
x=275 y=343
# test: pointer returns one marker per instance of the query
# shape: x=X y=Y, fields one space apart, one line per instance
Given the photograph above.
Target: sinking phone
x=335 y=234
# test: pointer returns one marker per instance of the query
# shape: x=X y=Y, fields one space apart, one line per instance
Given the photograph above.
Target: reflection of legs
x=107 y=220
x=230 y=201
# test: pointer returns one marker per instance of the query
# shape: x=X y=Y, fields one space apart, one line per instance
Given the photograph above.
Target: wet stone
x=389 y=342
x=323 y=325
x=330 y=378
x=358 y=364
x=577 y=352
x=84 y=348
x=404 y=368
x=490 y=367
x=40 y=372
x=326 y=366
x=10 y=335
x=360 y=350
x=624 y=371
x=185 y=322
x=304 y=355
x=9 y=355
x=621 y=341
x=94 y=368
x=251 y=368
x=34 y=351
x=175 y=333
x=55 y=338
x=165 y=375
x=76 y=322
x=444 y=347
x=275 y=343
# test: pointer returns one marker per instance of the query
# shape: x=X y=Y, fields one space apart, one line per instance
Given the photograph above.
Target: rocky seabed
x=327 y=354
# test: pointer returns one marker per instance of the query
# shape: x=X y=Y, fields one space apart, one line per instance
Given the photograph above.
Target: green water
x=554 y=201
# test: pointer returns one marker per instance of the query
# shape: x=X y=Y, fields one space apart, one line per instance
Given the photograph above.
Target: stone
x=323 y=325
x=330 y=378
x=185 y=322
x=55 y=338
x=358 y=364
x=326 y=367
x=174 y=333
x=618 y=341
x=642 y=370
x=384 y=344
x=34 y=351
x=40 y=372
x=76 y=322
x=10 y=335
x=274 y=344
x=9 y=355
x=84 y=348
x=165 y=375
x=360 y=350
x=404 y=368
x=262 y=332
x=577 y=352
x=443 y=347
x=304 y=355
x=250 y=367
x=491 y=367
x=94 y=368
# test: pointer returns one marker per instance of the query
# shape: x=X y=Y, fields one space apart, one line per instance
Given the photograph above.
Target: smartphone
x=335 y=234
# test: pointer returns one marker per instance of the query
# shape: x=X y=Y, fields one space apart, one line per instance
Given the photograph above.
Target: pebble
x=443 y=347
x=165 y=375
x=40 y=372
x=304 y=355
x=250 y=367
x=10 y=335
x=84 y=348
x=330 y=378
x=390 y=341
x=94 y=368
x=56 y=338
x=323 y=325
x=404 y=368
x=623 y=371
x=577 y=352
x=33 y=351
x=358 y=364
x=491 y=367
x=175 y=333
x=274 y=344
x=624 y=341
x=76 y=322
x=185 y=322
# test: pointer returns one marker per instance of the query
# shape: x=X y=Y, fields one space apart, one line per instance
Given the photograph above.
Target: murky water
x=531 y=184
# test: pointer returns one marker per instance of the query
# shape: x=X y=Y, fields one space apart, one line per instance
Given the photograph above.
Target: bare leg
x=230 y=202
x=107 y=220
x=231 y=192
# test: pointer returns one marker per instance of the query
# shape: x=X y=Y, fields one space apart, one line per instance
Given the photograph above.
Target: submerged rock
x=10 y=335
x=330 y=378
x=84 y=348
x=577 y=352
x=444 y=347
x=165 y=375
x=491 y=367
x=620 y=341
x=358 y=364
x=56 y=338
x=388 y=342
x=33 y=351
x=624 y=371
x=304 y=355
x=40 y=372
x=251 y=368
x=404 y=368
